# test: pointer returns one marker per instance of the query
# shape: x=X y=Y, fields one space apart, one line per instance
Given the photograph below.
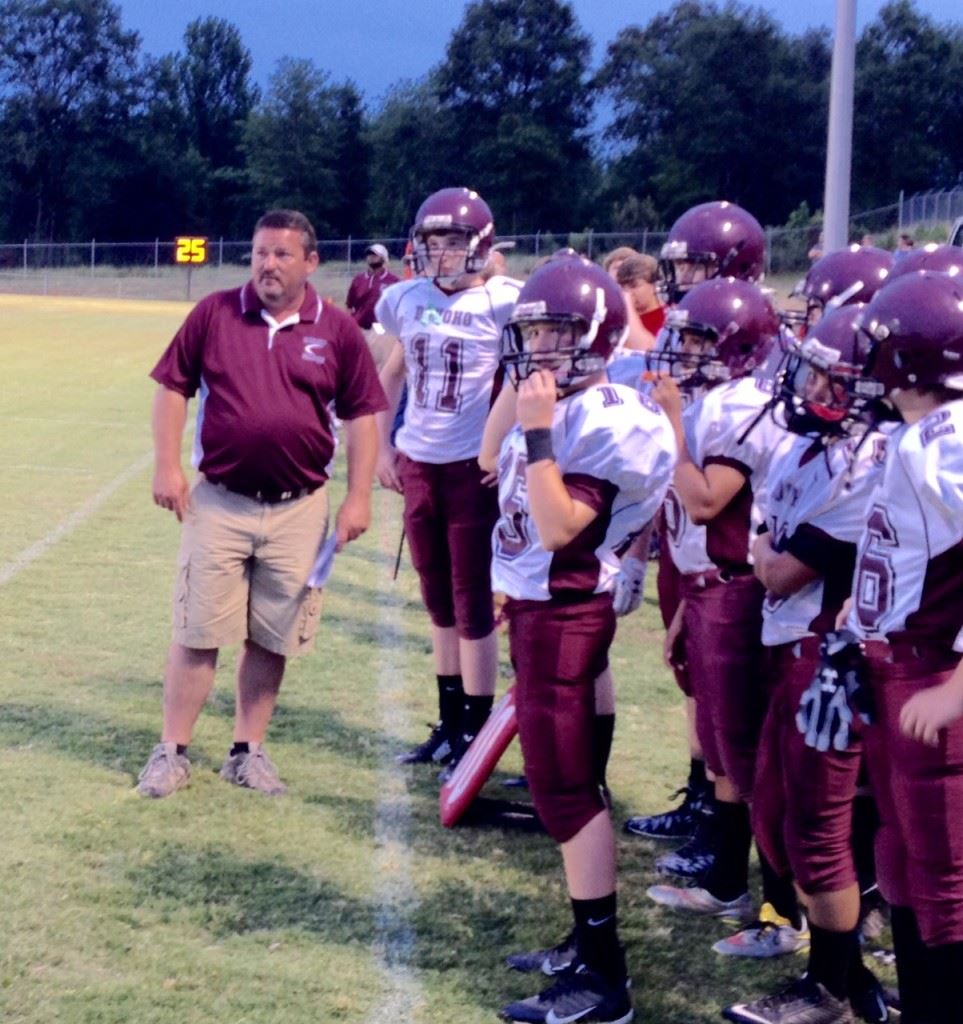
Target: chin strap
x=880 y=412
x=769 y=406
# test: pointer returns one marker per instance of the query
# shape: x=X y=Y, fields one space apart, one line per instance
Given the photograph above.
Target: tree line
x=702 y=102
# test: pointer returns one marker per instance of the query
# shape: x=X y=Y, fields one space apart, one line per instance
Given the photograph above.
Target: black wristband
x=539 y=444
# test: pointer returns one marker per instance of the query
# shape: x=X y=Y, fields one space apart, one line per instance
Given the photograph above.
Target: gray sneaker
x=166 y=771
x=254 y=770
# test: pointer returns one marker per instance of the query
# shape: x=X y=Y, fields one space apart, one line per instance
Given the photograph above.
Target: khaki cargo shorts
x=242 y=570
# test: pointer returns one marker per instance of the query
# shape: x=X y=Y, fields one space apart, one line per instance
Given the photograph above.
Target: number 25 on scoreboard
x=190 y=250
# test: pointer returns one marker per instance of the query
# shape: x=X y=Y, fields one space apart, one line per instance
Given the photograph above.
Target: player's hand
x=928 y=712
x=353 y=518
x=490 y=479
x=386 y=470
x=629 y=585
x=761 y=549
x=666 y=393
x=171 y=490
x=537 y=395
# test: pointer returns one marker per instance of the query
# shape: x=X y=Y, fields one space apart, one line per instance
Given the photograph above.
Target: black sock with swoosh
x=597 y=937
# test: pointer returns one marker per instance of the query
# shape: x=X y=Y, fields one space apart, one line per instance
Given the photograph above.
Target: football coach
x=271 y=364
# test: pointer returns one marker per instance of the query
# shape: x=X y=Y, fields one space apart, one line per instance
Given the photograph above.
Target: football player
x=840 y=278
x=630 y=581
x=582 y=471
x=946 y=259
x=448 y=321
x=720 y=332
x=717 y=239
x=802 y=801
x=907 y=610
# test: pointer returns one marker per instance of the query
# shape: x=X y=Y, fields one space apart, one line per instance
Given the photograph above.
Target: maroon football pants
x=558 y=651
x=802 y=799
x=919 y=790
x=449 y=518
x=724 y=654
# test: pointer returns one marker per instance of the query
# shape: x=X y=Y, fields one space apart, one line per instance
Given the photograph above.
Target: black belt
x=701 y=580
x=265 y=497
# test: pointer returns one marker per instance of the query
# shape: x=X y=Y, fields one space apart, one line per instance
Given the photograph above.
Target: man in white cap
x=366 y=288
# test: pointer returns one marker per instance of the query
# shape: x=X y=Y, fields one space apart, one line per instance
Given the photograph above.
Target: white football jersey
x=628 y=368
x=616 y=451
x=909 y=569
x=451 y=345
x=729 y=427
x=818 y=501
x=685 y=539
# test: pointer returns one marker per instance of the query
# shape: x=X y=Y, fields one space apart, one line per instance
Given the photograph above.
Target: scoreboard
x=190 y=250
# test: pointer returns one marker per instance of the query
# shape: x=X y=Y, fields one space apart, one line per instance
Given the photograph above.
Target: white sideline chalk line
x=33 y=467
x=76 y=518
x=394 y=893
x=70 y=421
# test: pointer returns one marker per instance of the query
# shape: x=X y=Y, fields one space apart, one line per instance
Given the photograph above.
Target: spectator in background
x=905 y=242
x=366 y=288
x=408 y=261
x=612 y=262
x=636 y=277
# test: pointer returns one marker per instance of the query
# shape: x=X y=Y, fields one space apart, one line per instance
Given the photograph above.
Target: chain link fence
x=937 y=207
x=147 y=270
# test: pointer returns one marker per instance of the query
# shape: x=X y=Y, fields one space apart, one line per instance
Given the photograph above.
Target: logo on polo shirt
x=312 y=350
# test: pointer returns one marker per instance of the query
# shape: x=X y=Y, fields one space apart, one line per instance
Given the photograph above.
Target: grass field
x=345 y=900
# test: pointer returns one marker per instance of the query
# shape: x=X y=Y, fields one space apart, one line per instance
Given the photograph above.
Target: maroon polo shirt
x=363 y=294
x=264 y=422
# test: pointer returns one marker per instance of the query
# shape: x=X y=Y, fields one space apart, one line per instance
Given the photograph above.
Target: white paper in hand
x=321 y=569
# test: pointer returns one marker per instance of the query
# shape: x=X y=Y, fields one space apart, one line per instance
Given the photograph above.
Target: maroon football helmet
x=853 y=274
x=566 y=253
x=945 y=259
x=722 y=329
x=821 y=388
x=722 y=239
x=584 y=312
x=454 y=209
x=913 y=330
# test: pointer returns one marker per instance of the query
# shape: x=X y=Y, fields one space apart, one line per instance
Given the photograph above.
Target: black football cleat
x=579 y=995
x=549 y=961
x=698 y=855
x=868 y=997
x=458 y=750
x=679 y=823
x=803 y=1002
x=435 y=750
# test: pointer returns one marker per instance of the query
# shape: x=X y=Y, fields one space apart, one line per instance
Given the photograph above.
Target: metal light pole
x=839 y=149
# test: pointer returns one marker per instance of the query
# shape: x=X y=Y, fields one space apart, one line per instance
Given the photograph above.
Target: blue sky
x=378 y=42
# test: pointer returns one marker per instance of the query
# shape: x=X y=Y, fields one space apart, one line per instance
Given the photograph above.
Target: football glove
x=629 y=585
x=837 y=692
